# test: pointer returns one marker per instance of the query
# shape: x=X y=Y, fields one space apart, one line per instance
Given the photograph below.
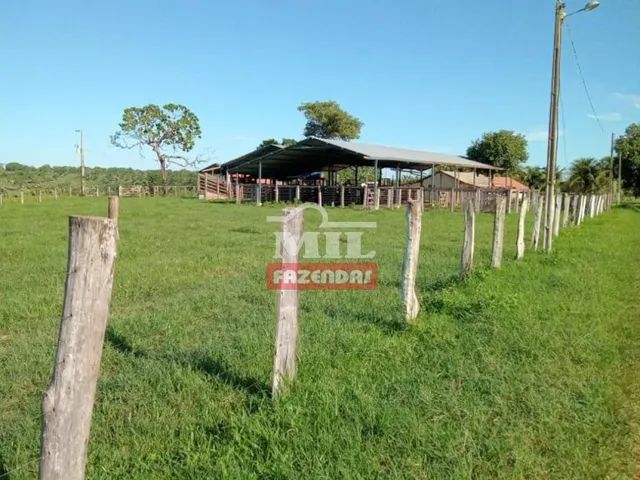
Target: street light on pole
x=552 y=145
x=81 y=150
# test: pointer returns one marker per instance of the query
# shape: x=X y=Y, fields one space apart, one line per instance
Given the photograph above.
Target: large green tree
x=329 y=120
x=504 y=148
x=534 y=177
x=169 y=131
x=628 y=146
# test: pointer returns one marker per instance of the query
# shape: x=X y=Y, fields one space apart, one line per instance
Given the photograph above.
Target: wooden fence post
x=277 y=194
x=342 y=196
x=521 y=220
x=509 y=197
x=557 y=214
x=113 y=208
x=1 y=197
x=376 y=198
x=238 y=194
x=365 y=193
x=284 y=363
x=319 y=195
x=21 y=197
x=452 y=200
x=67 y=406
x=537 y=222
x=390 y=193
x=297 y=193
x=498 y=231
x=39 y=196
x=410 y=263
x=466 y=259
x=565 y=210
x=55 y=193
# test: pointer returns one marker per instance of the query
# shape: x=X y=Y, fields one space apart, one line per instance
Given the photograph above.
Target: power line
x=584 y=83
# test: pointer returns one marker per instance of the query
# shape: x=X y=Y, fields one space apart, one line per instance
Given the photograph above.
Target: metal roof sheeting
x=314 y=154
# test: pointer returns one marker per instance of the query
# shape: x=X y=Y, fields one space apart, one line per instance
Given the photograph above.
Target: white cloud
x=632 y=99
x=607 y=117
x=539 y=134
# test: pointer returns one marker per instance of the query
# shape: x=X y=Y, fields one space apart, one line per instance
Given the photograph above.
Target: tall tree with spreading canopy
x=170 y=131
x=628 y=146
x=504 y=148
x=329 y=120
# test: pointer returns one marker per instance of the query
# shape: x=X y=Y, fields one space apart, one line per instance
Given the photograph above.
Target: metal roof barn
x=314 y=154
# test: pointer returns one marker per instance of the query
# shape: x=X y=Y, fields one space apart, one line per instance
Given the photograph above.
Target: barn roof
x=314 y=154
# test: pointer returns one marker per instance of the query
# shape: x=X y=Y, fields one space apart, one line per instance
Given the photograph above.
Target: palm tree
x=586 y=175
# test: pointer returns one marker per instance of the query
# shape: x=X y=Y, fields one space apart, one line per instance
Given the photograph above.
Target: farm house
x=308 y=171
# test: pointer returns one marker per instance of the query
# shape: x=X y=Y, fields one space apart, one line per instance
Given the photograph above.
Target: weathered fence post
x=297 y=193
x=365 y=194
x=276 y=194
x=284 y=363
x=466 y=259
x=21 y=197
x=239 y=194
x=557 y=215
x=319 y=195
x=509 y=197
x=55 y=193
x=119 y=190
x=376 y=198
x=113 y=208
x=67 y=406
x=452 y=200
x=498 y=231
x=390 y=198
x=39 y=196
x=537 y=222
x=565 y=210
x=411 y=255
x=342 y=196
x=521 y=219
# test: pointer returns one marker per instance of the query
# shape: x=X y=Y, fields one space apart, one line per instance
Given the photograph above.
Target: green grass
x=529 y=371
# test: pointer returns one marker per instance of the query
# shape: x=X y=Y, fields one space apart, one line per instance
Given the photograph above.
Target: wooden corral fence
x=368 y=196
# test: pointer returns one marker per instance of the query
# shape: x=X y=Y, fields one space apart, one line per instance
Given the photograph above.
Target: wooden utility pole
x=82 y=165
x=613 y=138
x=68 y=402
x=553 y=129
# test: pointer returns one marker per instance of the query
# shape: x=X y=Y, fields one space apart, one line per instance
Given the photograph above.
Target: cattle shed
x=308 y=171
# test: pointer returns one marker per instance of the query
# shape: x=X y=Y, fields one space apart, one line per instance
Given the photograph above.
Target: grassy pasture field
x=530 y=371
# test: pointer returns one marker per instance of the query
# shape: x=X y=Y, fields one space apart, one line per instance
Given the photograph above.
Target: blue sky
x=431 y=75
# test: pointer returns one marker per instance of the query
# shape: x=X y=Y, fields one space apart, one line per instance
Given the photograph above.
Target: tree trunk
x=165 y=179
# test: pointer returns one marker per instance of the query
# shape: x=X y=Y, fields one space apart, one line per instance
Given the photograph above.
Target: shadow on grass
x=219 y=370
x=121 y=344
x=442 y=283
x=4 y=473
x=198 y=361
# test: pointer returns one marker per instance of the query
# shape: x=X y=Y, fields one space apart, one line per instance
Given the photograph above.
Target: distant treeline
x=15 y=176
